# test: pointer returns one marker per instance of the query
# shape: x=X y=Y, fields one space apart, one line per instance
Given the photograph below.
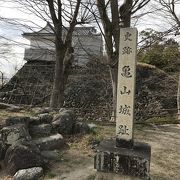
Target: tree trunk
x=114 y=59
x=178 y=99
x=57 y=96
x=113 y=74
x=125 y=11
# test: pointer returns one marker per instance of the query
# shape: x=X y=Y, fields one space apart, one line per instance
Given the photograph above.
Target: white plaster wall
x=84 y=44
x=37 y=43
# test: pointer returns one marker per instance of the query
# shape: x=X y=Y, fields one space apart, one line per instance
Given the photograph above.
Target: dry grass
x=6 y=114
x=145 y=65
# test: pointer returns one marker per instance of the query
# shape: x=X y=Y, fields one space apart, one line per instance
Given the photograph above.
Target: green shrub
x=158 y=51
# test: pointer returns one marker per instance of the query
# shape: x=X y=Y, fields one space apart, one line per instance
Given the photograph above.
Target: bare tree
x=5 y=48
x=169 y=11
x=114 y=16
x=61 y=15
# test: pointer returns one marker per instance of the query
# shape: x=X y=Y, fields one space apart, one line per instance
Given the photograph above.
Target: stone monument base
x=133 y=162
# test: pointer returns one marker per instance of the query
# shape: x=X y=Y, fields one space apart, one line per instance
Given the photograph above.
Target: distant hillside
x=89 y=90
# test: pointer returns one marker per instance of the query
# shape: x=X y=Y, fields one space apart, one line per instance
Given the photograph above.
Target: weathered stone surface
x=29 y=174
x=94 y=143
x=91 y=94
x=40 y=130
x=41 y=110
x=81 y=127
x=92 y=126
x=41 y=118
x=64 y=122
x=18 y=120
x=3 y=148
x=50 y=143
x=135 y=162
x=23 y=155
x=35 y=121
x=45 y=118
x=11 y=134
x=50 y=155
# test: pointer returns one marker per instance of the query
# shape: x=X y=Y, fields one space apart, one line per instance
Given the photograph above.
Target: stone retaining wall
x=89 y=90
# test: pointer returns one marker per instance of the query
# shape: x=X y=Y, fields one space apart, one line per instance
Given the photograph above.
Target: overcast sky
x=13 y=34
x=11 y=10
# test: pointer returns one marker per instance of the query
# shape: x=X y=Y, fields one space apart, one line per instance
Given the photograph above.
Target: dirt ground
x=75 y=162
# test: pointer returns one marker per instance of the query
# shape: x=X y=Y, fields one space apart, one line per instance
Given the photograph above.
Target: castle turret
x=86 y=41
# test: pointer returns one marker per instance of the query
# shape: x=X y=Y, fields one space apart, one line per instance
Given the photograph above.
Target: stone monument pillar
x=122 y=155
x=126 y=87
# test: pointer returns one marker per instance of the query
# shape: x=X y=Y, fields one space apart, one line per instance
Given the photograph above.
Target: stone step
x=52 y=142
x=41 y=130
x=41 y=118
x=18 y=120
x=11 y=134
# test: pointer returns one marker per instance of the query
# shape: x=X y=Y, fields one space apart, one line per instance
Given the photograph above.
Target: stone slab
x=52 y=142
x=40 y=130
x=11 y=134
x=33 y=173
x=133 y=162
x=18 y=120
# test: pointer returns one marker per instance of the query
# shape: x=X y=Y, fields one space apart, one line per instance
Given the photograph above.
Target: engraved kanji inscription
x=126 y=50
x=125 y=91
x=125 y=110
x=123 y=130
x=126 y=72
x=127 y=36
